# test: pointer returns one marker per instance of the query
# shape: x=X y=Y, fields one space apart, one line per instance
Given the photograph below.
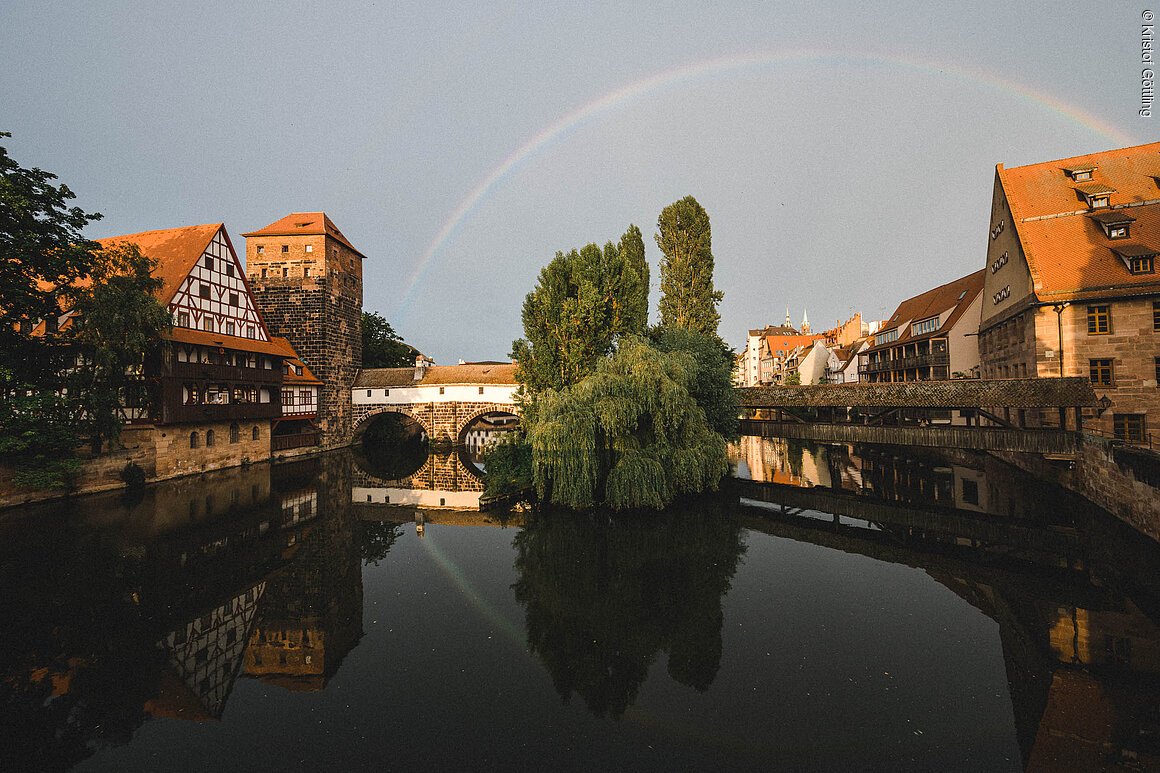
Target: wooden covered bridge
x=1035 y=415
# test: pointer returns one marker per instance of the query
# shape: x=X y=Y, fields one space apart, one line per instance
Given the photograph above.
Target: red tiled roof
x=1067 y=251
x=787 y=343
x=957 y=295
x=438 y=374
x=176 y=251
x=305 y=224
x=278 y=347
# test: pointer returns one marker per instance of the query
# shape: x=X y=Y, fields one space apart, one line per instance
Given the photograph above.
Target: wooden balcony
x=206 y=371
x=932 y=359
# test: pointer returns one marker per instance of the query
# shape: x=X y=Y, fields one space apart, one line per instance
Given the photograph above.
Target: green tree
x=711 y=384
x=793 y=379
x=688 y=299
x=630 y=435
x=117 y=330
x=627 y=284
x=567 y=319
x=382 y=346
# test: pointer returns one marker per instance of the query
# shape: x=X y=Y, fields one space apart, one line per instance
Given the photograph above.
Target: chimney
x=421 y=365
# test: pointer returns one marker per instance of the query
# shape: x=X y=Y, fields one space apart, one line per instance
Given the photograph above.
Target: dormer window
x=1138 y=258
x=924 y=326
x=1080 y=174
x=887 y=337
x=1095 y=194
x=1116 y=224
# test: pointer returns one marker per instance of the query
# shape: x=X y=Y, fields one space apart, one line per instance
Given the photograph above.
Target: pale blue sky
x=846 y=179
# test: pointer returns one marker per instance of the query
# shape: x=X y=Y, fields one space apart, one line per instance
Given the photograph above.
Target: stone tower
x=306 y=278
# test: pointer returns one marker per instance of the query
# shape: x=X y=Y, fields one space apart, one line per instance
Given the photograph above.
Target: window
x=1099 y=319
x=203 y=291
x=183 y=319
x=310 y=248
x=193 y=440
x=440 y=390
x=1095 y=202
x=285 y=272
x=1129 y=427
x=229 y=328
x=233 y=299
x=306 y=271
x=1141 y=264
x=1117 y=232
x=386 y=393
x=887 y=337
x=1156 y=315
x=1083 y=176
x=970 y=491
x=261 y=249
x=207 y=324
x=1100 y=372
x=368 y=393
x=285 y=248
x=925 y=326
x=481 y=390
x=254 y=433
x=234 y=433
x=209 y=438
x=209 y=262
x=1158 y=371
x=251 y=332
x=265 y=273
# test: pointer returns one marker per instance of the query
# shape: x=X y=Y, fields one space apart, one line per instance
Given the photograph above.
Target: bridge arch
x=369 y=417
x=478 y=411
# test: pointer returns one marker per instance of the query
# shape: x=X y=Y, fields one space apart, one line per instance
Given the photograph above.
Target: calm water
x=835 y=608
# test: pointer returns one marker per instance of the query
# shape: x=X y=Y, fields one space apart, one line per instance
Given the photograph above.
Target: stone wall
x=1122 y=479
x=320 y=314
x=443 y=422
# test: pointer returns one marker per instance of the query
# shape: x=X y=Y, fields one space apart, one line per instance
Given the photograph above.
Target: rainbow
x=730 y=64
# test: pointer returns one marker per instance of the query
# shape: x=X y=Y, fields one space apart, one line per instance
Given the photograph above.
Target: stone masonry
x=443 y=422
x=308 y=288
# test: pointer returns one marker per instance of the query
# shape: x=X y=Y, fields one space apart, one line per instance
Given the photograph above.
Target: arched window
x=234 y=432
x=208 y=438
x=193 y=440
x=255 y=433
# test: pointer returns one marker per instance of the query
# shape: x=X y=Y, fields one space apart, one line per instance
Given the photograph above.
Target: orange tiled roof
x=176 y=251
x=787 y=343
x=956 y=295
x=1067 y=251
x=278 y=347
x=305 y=224
x=291 y=377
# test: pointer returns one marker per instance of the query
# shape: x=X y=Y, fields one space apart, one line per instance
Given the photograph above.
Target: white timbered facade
x=214 y=296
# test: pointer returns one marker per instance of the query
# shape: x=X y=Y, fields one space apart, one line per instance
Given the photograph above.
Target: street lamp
x=1058 y=308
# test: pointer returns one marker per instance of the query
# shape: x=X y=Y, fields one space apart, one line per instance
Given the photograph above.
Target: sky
x=845 y=151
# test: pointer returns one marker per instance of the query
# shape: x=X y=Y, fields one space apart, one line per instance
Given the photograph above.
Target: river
x=832 y=608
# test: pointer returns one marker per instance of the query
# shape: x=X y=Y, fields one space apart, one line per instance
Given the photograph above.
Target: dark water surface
x=835 y=608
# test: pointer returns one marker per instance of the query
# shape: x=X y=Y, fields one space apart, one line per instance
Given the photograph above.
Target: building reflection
x=253 y=572
x=1076 y=594
x=443 y=481
x=602 y=601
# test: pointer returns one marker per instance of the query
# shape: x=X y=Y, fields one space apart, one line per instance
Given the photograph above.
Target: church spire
x=805 y=322
x=788 y=322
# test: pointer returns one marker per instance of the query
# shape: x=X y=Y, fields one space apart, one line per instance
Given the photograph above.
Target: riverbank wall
x=160 y=455
x=1120 y=478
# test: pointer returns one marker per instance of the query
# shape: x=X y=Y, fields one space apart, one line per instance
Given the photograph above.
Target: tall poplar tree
x=688 y=299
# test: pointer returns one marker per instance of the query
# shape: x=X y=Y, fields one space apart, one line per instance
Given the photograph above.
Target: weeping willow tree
x=630 y=435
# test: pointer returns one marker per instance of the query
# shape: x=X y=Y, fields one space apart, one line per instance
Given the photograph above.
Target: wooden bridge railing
x=1041 y=441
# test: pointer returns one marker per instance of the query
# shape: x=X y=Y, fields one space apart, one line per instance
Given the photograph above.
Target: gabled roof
x=788 y=342
x=956 y=296
x=437 y=374
x=1067 y=251
x=290 y=377
x=176 y=251
x=305 y=224
x=278 y=347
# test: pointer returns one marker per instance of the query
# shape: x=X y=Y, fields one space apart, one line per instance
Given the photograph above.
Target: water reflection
x=119 y=611
x=603 y=599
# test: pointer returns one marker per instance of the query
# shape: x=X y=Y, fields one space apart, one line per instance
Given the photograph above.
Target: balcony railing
x=207 y=371
x=905 y=363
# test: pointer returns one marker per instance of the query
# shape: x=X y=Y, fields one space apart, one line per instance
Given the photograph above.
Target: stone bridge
x=442 y=399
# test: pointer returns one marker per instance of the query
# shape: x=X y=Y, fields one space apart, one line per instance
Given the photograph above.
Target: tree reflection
x=603 y=598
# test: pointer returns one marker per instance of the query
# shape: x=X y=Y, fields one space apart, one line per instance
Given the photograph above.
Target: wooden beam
x=996 y=419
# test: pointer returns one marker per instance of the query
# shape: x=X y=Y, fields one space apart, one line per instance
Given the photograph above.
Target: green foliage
x=711 y=384
x=382 y=346
x=133 y=476
x=688 y=299
x=629 y=436
x=118 y=330
x=583 y=302
x=44 y=253
x=508 y=467
x=793 y=379
x=602 y=602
